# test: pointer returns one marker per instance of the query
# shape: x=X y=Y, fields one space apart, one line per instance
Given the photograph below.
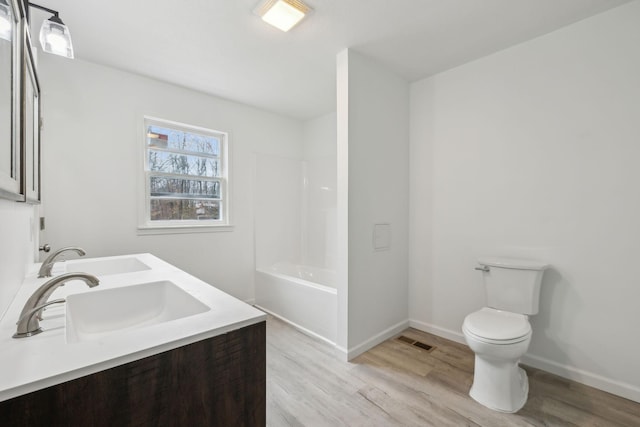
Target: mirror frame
x=31 y=114
x=11 y=186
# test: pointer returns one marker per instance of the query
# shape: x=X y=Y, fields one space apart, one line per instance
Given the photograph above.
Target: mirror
x=10 y=66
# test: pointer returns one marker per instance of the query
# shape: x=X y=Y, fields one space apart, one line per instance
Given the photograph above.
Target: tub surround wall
x=533 y=152
x=278 y=210
x=373 y=188
x=296 y=231
x=319 y=154
x=93 y=131
x=295 y=201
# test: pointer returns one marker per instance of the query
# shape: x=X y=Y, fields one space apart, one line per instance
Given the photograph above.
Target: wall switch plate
x=381 y=237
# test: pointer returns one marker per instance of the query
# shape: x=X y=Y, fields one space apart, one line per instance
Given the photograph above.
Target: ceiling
x=221 y=48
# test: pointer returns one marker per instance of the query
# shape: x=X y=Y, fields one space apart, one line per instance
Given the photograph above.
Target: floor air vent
x=415 y=343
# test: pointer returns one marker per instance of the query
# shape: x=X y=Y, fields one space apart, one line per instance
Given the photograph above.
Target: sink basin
x=104 y=267
x=93 y=314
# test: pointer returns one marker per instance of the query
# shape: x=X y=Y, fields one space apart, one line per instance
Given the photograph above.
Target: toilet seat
x=496 y=326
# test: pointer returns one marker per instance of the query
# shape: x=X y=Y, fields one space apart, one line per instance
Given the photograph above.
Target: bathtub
x=301 y=295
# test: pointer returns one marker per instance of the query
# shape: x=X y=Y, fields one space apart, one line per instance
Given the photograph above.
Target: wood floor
x=397 y=384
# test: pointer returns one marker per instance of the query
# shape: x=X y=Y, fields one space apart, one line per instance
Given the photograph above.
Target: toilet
x=500 y=333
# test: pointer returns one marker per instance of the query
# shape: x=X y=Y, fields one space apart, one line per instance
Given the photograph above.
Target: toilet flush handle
x=484 y=268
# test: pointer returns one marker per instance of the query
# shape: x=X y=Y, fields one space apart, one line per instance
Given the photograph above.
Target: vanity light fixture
x=54 y=35
x=5 y=21
x=282 y=14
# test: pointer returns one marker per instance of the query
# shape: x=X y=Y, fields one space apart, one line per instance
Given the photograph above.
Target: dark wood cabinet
x=220 y=381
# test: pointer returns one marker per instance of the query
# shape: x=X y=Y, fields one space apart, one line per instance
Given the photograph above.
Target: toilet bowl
x=499 y=339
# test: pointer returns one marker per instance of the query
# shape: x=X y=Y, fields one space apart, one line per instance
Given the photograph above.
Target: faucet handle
x=27 y=326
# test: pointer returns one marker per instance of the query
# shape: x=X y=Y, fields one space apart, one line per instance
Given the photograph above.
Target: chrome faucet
x=29 y=320
x=47 y=264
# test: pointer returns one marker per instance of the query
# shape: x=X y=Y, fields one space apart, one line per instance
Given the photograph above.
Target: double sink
x=141 y=307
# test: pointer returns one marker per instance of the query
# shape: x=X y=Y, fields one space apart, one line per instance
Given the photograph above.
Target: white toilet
x=500 y=333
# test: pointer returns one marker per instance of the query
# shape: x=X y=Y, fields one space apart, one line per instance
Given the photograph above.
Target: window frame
x=148 y=226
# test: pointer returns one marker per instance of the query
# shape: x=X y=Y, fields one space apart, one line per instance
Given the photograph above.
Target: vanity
x=150 y=345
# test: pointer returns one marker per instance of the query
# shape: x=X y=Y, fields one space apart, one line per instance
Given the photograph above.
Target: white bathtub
x=301 y=295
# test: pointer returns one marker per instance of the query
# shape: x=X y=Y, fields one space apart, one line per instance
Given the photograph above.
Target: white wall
x=533 y=152
x=92 y=148
x=319 y=206
x=373 y=143
x=18 y=242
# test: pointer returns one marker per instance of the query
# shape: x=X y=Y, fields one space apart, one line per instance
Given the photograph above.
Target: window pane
x=183 y=164
x=161 y=186
x=184 y=209
x=186 y=141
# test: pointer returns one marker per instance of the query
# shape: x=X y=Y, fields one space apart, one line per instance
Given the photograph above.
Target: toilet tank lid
x=521 y=264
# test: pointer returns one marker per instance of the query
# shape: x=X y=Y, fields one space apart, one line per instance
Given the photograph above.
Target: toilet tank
x=512 y=284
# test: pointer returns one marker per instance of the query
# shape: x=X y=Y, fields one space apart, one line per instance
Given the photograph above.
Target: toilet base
x=499 y=385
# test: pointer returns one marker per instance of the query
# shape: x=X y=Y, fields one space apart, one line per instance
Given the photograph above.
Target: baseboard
x=250 y=301
x=356 y=351
x=628 y=391
x=437 y=330
x=295 y=325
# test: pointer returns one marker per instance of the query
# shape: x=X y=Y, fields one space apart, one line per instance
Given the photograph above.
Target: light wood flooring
x=397 y=384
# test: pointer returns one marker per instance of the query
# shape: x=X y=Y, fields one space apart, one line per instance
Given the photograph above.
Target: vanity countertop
x=46 y=359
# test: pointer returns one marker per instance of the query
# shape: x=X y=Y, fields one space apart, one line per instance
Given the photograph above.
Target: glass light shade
x=55 y=38
x=5 y=21
x=284 y=14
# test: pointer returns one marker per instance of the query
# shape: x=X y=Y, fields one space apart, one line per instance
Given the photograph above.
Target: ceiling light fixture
x=282 y=14
x=54 y=35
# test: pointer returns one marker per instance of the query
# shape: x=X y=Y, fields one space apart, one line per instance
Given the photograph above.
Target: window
x=185 y=176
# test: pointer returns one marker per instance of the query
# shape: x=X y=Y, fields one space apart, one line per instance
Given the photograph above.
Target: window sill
x=145 y=230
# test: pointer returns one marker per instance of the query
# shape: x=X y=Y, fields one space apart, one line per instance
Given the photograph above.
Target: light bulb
x=57 y=43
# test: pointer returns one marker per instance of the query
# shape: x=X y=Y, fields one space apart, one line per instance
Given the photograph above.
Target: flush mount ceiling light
x=282 y=14
x=54 y=35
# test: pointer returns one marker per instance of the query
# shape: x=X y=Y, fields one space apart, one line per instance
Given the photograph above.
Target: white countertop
x=46 y=359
